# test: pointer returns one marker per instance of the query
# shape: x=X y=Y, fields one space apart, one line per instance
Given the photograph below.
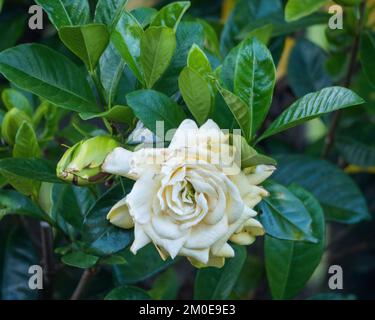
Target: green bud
x=81 y=164
x=12 y=121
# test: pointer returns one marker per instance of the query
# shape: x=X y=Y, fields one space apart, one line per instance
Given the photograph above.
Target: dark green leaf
x=144 y=15
x=35 y=169
x=165 y=287
x=239 y=109
x=17 y=255
x=306 y=68
x=217 y=284
x=88 y=42
x=49 y=74
x=14 y=99
x=170 y=15
x=26 y=143
x=157 y=48
x=12 y=202
x=151 y=106
x=111 y=68
x=69 y=205
x=341 y=199
x=249 y=72
x=296 y=9
x=366 y=54
x=136 y=269
x=120 y=114
x=80 y=260
x=196 y=93
x=290 y=264
x=127 y=293
x=311 y=106
x=127 y=39
x=284 y=215
x=66 y=12
x=108 y=12
x=99 y=234
x=188 y=34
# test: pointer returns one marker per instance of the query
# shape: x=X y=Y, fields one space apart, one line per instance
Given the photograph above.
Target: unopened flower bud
x=81 y=164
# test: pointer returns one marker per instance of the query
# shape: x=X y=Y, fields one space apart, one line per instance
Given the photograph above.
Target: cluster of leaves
x=166 y=65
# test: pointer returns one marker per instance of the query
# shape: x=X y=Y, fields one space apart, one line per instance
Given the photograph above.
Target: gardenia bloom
x=185 y=200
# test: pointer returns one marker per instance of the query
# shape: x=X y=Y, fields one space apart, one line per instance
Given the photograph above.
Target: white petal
x=119 y=215
x=226 y=251
x=185 y=132
x=261 y=173
x=242 y=238
x=254 y=227
x=140 y=199
x=204 y=235
x=140 y=239
x=118 y=162
x=200 y=255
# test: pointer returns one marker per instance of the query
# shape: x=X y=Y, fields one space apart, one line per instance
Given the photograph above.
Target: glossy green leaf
x=306 y=68
x=80 y=259
x=157 y=48
x=188 y=34
x=14 y=99
x=108 y=12
x=248 y=16
x=136 y=270
x=165 y=287
x=366 y=54
x=49 y=74
x=296 y=9
x=99 y=234
x=217 y=283
x=341 y=199
x=12 y=202
x=311 y=106
x=26 y=143
x=290 y=264
x=170 y=15
x=249 y=156
x=211 y=38
x=88 y=42
x=127 y=293
x=15 y=27
x=144 y=15
x=196 y=93
x=249 y=279
x=249 y=72
x=120 y=114
x=66 y=12
x=239 y=109
x=17 y=255
x=12 y=121
x=284 y=216
x=112 y=68
x=356 y=152
x=150 y=106
x=35 y=169
x=127 y=39
x=69 y=205
x=198 y=61
x=263 y=33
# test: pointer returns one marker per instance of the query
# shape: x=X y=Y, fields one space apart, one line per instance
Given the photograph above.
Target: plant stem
x=347 y=81
x=83 y=283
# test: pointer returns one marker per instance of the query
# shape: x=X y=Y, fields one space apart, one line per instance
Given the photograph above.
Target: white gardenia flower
x=184 y=201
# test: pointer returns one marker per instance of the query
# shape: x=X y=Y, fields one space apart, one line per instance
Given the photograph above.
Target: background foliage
x=81 y=77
